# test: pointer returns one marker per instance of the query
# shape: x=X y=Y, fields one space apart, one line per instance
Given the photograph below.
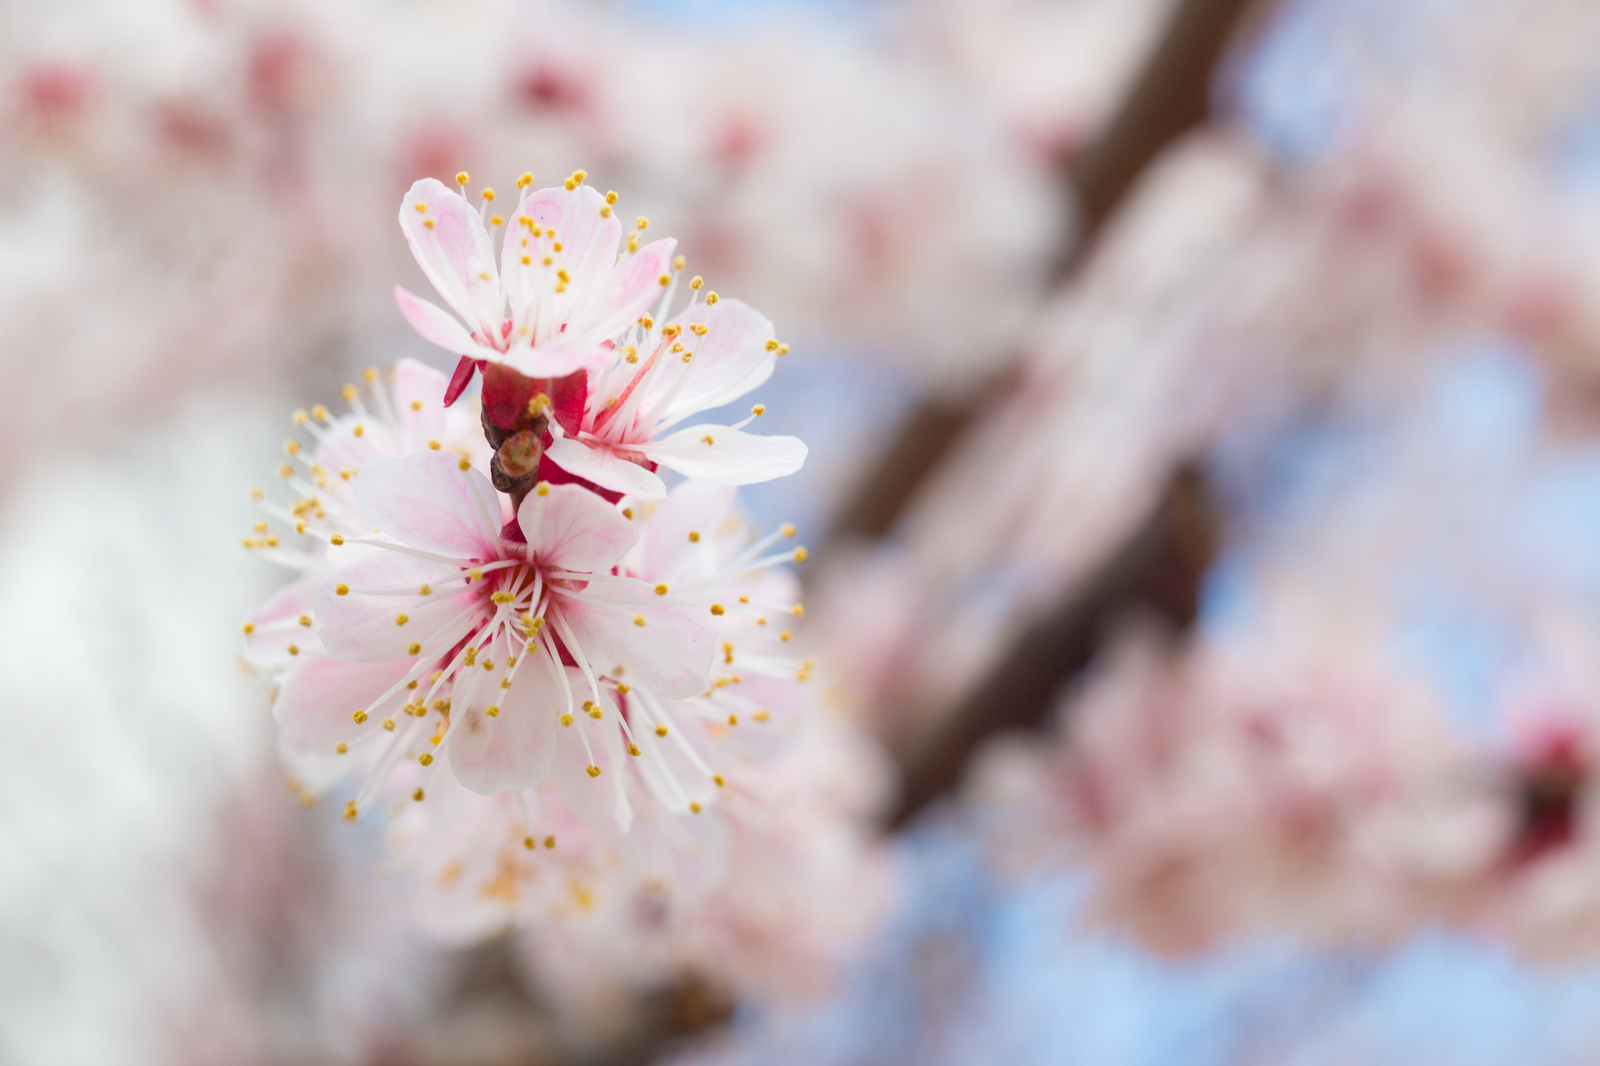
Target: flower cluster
x=502 y=610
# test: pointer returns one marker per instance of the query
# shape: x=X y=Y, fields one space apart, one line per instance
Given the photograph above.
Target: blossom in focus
x=577 y=305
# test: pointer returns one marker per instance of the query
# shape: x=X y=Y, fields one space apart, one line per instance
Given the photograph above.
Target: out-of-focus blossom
x=1389 y=718
x=1053 y=70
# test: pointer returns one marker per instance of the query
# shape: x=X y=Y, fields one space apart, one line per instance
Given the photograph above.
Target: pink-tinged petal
x=670 y=654
x=588 y=244
x=434 y=324
x=593 y=797
x=558 y=358
x=692 y=507
x=730 y=360
x=632 y=289
x=362 y=627
x=599 y=464
x=728 y=456
x=320 y=695
x=513 y=749
x=427 y=501
x=454 y=253
x=572 y=529
x=276 y=629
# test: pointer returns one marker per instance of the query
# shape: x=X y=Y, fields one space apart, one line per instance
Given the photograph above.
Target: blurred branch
x=1158 y=569
x=1170 y=96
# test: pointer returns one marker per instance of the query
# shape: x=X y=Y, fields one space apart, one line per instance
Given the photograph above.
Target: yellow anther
x=762 y=716
x=350 y=810
x=801 y=555
x=401 y=619
x=487 y=193
x=627 y=512
x=542 y=488
x=711 y=298
x=260 y=527
x=566 y=718
x=493 y=710
x=718 y=779
x=256 y=494
x=421 y=207
x=661 y=590
x=320 y=413
x=505 y=682
x=529 y=843
x=271 y=541
x=698 y=329
x=594 y=771
x=359 y=429
x=783 y=349
x=596 y=713
x=744 y=599
x=631 y=353
x=695 y=807
x=525 y=180
x=696 y=281
x=388 y=723
x=341 y=589
x=647 y=322
x=633 y=749
x=418 y=795
x=300 y=526
x=470 y=657
x=465 y=463
x=733 y=719
x=337 y=540
x=474 y=575
x=555 y=246
x=427 y=223
x=305 y=620
x=549 y=842
x=664 y=279
x=434 y=445
x=291 y=446
x=708 y=439
x=346 y=473
x=784 y=636
x=370 y=374
x=563 y=275
x=341 y=747
x=502 y=597
x=661 y=730
x=488 y=664
x=462 y=179
x=527 y=260
x=633 y=242
x=799 y=610
x=772 y=346
x=285 y=471
x=638 y=620
x=294 y=649
x=611 y=197
x=716 y=609
x=677 y=347
x=426 y=758
x=624 y=689
x=414 y=648
x=642 y=222
x=496 y=220
x=694 y=536
x=359 y=716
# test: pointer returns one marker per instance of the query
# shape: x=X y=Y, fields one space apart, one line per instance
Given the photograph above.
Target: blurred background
x=1204 y=501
